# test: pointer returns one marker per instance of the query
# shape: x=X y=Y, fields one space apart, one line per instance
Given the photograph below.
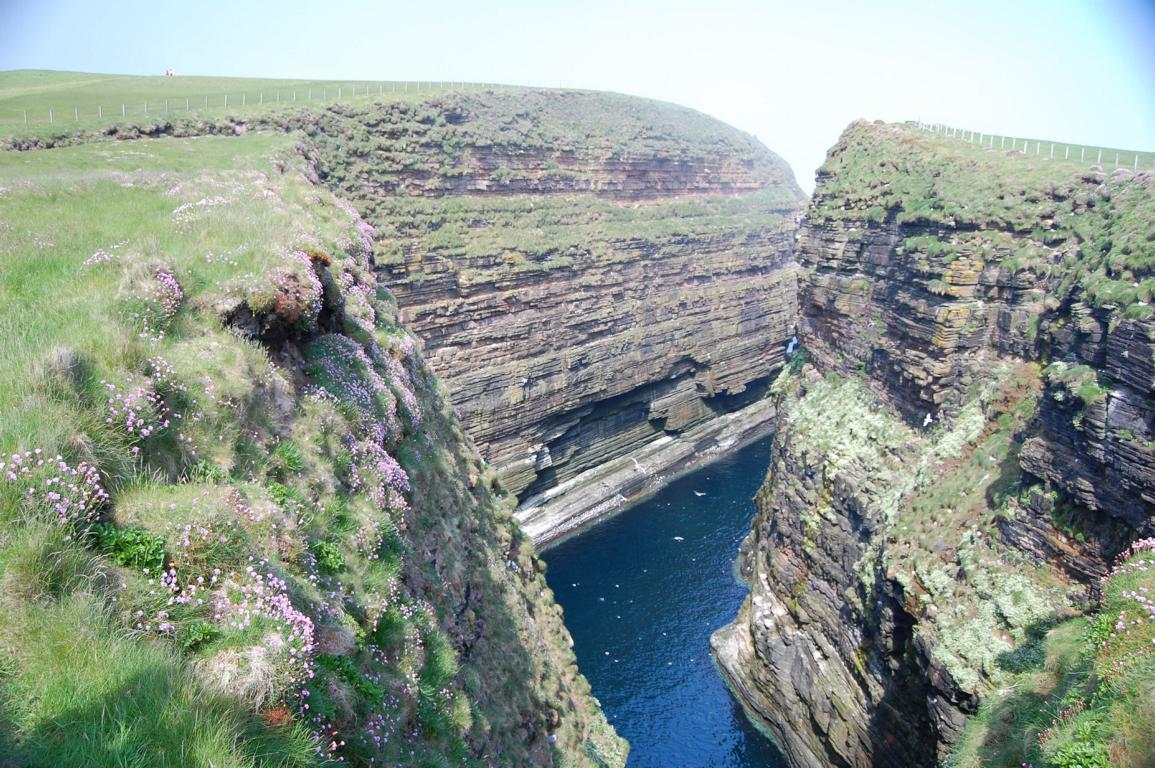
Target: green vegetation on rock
x=1088 y=229
x=1079 y=692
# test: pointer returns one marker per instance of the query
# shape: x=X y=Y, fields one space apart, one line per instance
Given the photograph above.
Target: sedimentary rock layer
x=589 y=273
x=613 y=484
x=827 y=663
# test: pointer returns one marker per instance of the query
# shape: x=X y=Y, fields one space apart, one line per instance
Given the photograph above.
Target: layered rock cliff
x=604 y=284
x=971 y=445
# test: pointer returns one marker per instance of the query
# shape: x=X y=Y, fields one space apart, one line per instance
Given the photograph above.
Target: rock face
x=827 y=667
x=594 y=277
x=980 y=315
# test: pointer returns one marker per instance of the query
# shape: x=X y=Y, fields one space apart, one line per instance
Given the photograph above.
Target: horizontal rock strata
x=588 y=273
x=614 y=484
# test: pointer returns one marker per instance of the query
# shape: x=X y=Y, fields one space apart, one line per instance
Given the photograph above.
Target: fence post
x=76 y=114
x=338 y=93
x=50 y=115
x=206 y=102
x=166 y=106
x=100 y=111
x=226 y=101
x=146 y=107
x=1038 y=148
x=26 y=117
x=1082 y=154
x=122 y=110
x=261 y=98
x=1116 y=159
x=1052 y=151
x=1067 y=154
x=244 y=99
x=1136 y=161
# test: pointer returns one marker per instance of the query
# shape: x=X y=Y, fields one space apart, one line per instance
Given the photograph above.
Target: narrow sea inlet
x=642 y=592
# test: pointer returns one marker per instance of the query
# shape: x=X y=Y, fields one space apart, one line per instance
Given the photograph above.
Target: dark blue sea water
x=642 y=593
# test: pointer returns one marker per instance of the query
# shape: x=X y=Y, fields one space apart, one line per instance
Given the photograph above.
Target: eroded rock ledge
x=612 y=485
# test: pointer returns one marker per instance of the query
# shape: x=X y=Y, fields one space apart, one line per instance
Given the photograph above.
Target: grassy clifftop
x=239 y=525
x=47 y=102
x=1071 y=224
x=230 y=482
x=1081 y=690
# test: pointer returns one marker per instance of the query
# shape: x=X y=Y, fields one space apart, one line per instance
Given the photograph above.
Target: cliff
x=970 y=448
x=604 y=284
x=239 y=522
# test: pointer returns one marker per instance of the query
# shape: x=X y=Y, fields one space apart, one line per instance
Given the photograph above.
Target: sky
x=794 y=74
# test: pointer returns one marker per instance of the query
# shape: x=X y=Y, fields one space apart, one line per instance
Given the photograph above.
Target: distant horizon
x=792 y=76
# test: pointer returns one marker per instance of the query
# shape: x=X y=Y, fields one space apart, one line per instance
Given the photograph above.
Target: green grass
x=81 y=693
x=84 y=100
x=71 y=203
x=1083 y=154
x=95 y=688
x=1081 y=692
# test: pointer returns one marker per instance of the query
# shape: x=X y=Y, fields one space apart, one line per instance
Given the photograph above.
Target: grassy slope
x=88 y=100
x=432 y=636
x=350 y=635
x=1086 y=154
x=1082 y=693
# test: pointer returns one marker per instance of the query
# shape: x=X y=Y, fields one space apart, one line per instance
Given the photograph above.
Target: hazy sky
x=792 y=73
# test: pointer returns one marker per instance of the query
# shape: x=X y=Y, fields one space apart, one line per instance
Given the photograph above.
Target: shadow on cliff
x=470 y=556
x=900 y=724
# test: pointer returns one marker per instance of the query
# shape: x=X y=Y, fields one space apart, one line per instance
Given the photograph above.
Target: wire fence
x=107 y=111
x=1106 y=157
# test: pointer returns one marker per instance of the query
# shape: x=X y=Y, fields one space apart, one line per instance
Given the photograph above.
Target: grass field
x=1083 y=154
x=36 y=102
